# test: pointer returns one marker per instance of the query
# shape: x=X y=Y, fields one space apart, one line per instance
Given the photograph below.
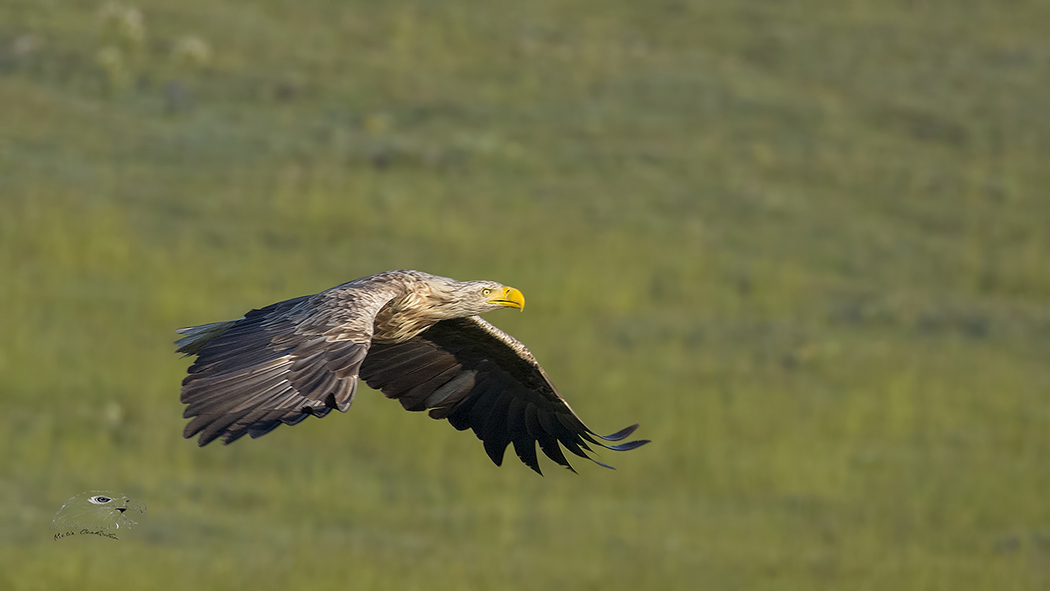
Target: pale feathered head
x=456 y=299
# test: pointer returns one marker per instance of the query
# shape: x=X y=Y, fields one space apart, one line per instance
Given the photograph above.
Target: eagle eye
x=486 y=291
x=100 y=500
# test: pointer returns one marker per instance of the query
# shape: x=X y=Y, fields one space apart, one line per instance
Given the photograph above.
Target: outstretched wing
x=279 y=364
x=479 y=377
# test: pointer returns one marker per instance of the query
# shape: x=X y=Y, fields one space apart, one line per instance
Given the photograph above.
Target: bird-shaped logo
x=97 y=511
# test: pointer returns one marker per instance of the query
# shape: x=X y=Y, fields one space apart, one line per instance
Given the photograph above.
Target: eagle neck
x=416 y=309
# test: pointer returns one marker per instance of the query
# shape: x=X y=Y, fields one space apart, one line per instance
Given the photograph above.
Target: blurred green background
x=805 y=244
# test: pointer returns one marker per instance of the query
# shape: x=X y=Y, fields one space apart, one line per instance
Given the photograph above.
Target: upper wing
x=477 y=376
x=281 y=363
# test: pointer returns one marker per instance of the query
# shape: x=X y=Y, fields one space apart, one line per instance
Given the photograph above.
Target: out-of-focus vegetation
x=804 y=244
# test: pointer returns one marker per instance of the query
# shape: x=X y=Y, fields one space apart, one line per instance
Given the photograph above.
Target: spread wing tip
x=618 y=436
x=576 y=449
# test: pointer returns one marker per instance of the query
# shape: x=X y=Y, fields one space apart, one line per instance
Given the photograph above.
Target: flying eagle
x=416 y=337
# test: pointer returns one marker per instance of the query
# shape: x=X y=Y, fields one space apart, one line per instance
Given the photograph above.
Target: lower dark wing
x=279 y=364
x=478 y=377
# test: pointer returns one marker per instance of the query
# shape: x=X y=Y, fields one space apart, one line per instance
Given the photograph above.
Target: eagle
x=416 y=337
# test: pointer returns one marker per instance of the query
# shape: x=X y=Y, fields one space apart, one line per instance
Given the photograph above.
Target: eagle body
x=414 y=336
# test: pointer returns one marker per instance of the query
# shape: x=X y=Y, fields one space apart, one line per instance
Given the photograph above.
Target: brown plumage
x=416 y=337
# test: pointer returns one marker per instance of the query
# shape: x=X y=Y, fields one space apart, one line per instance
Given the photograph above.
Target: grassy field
x=805 y=245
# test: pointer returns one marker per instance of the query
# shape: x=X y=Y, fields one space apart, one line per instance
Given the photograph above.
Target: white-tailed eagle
x=416 y=337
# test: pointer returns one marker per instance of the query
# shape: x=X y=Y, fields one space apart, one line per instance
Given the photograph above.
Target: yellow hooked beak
x=510 y=298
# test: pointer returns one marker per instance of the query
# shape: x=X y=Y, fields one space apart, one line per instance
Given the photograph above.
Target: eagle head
x=471 y=298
